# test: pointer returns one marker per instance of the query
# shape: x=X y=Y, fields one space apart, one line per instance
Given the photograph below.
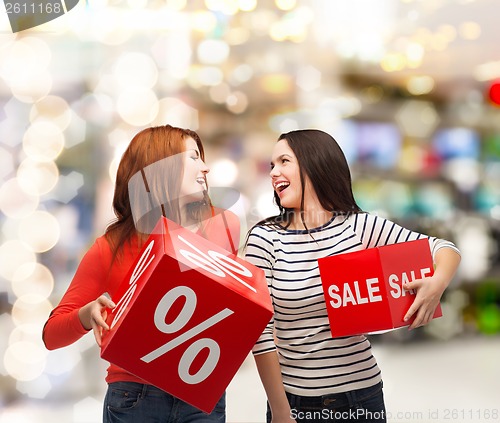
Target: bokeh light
x=176 y=113
x=40 y=231
x=24 y=360
x=43 y=141
x=223 y=172
x=32 y=278
x=494 y=92
x=419 y=85
x=470 y=30
x=54 y=109
x=32 y=87
x=241 y=73
x=13 y=254
x=137 y=106
x=265 y=205
x=87 y=410
x=135 y=69
x=219 y=93
x=417 y=118
x=14 y=201
x=30 y=309
x=6 y=163
x=237 y=102
x=229 y=7
x=24 y=67
x=286 y=4
x=37 y=178
x=37 y=388
x=212 y=52
x=176 y=4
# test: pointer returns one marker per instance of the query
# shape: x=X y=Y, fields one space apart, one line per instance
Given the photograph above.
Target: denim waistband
x=341 y=399
x=141 y=389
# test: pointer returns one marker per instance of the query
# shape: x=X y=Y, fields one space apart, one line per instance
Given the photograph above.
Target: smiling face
x=193 y=182
x=285 y=175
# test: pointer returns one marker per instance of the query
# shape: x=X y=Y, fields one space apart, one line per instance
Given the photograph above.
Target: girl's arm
x=270 y=374
x=71 y=319
x=259 y=252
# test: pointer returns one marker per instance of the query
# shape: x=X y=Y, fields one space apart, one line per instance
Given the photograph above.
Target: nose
x=274 y=172
x=204 y=168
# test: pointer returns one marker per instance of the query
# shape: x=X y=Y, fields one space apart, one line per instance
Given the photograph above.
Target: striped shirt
x=312 y=362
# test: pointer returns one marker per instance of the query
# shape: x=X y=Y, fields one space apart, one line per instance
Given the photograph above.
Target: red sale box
x=186 y=316
x=363 y=289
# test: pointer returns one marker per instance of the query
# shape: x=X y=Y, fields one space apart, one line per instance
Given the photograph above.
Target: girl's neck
x=314 y=214
x=188 y=222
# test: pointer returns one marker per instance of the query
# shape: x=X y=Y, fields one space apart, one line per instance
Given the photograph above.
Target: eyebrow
x=280 y=157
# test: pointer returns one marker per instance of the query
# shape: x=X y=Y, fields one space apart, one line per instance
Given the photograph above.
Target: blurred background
x=409 y=88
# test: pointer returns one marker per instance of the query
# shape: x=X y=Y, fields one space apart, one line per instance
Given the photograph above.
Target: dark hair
x=163 y=185
x=320 y=159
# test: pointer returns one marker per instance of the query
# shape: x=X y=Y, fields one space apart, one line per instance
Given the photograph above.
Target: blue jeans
x=362 y=405
x=129 y=402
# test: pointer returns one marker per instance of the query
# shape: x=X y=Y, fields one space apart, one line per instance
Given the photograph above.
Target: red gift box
x=363 y=289
x=186 y=316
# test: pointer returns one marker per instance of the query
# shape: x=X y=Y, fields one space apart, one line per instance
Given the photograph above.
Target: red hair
x=147 y=147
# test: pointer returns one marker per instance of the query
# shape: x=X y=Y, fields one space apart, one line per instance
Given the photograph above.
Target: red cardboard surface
x=363 y=289
x=186 y=316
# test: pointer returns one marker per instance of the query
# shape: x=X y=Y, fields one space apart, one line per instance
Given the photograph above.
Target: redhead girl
x=171 y=161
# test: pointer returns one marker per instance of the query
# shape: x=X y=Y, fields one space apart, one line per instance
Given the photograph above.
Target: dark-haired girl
x=309 y=376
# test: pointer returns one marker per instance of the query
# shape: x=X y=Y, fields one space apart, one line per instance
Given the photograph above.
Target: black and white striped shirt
x=312 y=362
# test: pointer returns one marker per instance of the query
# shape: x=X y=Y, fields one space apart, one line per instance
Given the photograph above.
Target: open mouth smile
x=281 y=186
x=201 y=181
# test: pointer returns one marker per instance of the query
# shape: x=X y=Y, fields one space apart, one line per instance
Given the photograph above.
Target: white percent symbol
x=216 y=263
x=179 y=322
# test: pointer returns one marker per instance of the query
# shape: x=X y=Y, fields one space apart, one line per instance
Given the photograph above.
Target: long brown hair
x=145 y=152
x=320 y=159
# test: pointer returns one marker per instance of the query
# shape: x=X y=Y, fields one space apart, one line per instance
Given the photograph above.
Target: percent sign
x=181 y=320
x=219 y=265
x=216 y=263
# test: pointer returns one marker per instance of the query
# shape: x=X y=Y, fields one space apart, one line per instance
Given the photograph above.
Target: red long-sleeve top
x=97 y=273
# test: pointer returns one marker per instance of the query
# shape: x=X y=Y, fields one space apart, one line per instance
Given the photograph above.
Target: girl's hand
x=428 y=293
x=429 y=290
x=93 y=315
